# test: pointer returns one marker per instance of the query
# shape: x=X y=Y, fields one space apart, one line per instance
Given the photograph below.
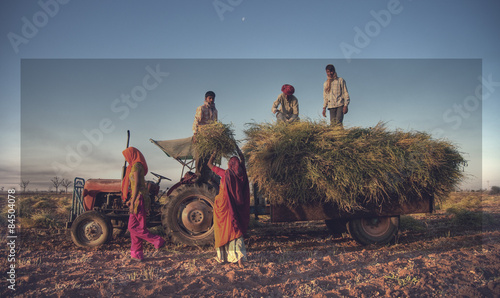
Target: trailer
x=98 y=213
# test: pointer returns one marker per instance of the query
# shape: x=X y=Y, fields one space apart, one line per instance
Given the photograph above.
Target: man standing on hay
x=205 y=114
x=335 y=96
x=286 y=107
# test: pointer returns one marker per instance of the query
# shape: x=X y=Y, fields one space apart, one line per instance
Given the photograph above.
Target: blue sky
x=417 y=65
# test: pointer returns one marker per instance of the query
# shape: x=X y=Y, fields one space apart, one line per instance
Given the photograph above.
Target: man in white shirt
x=335 y=96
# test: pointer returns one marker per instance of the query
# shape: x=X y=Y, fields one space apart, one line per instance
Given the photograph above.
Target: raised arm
x=240 y=154
x=210 y=162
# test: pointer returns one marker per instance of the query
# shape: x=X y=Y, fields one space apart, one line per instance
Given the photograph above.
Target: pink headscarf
x=287 y=89
x=132 y=155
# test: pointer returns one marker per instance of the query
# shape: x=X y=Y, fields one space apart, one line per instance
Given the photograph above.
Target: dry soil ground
x=434 y=256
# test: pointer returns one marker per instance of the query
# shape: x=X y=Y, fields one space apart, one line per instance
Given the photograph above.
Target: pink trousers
x=139 y=233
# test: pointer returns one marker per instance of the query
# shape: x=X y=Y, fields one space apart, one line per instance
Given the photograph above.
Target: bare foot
x=217 y=260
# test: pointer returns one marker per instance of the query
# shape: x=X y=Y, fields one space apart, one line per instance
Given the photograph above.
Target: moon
x=243 y=19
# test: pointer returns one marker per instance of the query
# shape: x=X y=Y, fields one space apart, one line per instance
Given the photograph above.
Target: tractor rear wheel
x=373 y=230
x=187 y=217
x=91 y=229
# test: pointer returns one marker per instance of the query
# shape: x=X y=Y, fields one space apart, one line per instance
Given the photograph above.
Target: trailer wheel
x=336 y=226
x=373 y=230
x=91 y=229
x=188 y=215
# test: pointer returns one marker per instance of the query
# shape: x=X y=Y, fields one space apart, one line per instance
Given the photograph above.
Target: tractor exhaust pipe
x=124 y=169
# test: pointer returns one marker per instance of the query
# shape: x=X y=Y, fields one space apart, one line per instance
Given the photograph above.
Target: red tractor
x=98 y=212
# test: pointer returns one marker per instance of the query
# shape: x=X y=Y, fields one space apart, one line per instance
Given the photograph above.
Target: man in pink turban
x=286 y=107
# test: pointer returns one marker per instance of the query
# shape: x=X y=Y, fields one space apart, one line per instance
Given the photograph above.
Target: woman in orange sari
x=139 y=203
x=231 y=210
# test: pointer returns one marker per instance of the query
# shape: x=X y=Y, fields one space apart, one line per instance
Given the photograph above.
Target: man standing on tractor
x=205 y=114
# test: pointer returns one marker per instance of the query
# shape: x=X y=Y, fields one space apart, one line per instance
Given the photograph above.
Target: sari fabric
x=232 y=204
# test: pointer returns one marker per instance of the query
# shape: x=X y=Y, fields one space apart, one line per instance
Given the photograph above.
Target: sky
x=76 y=75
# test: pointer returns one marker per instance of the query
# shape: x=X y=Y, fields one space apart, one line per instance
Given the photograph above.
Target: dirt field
x=434 y=256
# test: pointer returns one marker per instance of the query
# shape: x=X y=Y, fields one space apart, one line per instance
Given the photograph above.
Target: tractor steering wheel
x=160 y=176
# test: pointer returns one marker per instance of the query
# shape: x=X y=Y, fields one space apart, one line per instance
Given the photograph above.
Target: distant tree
x=24 y=184
x=495 y=190
x=56 y=182
x=66 y=183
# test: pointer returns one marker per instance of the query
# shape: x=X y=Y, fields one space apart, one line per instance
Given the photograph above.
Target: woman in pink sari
x=139 y=203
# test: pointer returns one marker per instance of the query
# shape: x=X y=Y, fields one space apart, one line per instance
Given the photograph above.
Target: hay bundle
x=308 y=162
x=215 y=136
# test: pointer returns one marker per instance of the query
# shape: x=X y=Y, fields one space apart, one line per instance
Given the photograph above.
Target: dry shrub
x=462 y=200
x=30 y=205
x=470 y=219
x=215 y=136
x=495 y=190
x=44 y=203
x=409 y=223
x=307 y=161
x=25 y=205
x=48 y=211
x=44 y=220
x=466 y=210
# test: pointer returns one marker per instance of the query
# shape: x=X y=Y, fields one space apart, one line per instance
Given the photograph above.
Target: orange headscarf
x=132 y=156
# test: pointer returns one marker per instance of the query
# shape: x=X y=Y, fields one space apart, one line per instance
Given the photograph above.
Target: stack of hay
x=306 y=162
x=216 y=137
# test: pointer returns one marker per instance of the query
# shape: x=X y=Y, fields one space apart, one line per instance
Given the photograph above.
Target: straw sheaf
x=307 y=161
x=217 y=137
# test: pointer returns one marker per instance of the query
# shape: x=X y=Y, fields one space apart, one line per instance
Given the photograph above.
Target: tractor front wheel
x=91 y=229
